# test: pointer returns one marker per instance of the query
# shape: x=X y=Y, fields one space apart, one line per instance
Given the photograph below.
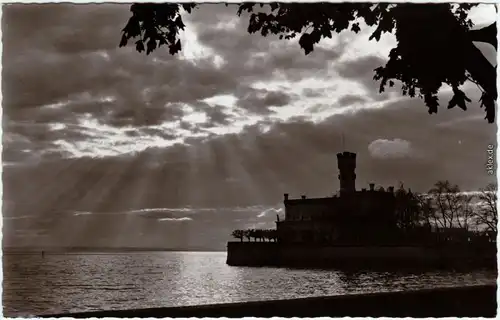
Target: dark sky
x=106 y=146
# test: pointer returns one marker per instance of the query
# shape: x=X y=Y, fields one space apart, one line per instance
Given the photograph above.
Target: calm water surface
x=84 y=282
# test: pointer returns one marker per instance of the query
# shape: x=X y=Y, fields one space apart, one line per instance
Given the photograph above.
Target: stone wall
x=276 y=254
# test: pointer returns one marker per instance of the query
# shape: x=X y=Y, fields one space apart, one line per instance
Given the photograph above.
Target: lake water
x=83 y=282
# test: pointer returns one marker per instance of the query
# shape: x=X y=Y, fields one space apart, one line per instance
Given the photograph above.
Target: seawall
x=276 y=254
x=473 y=301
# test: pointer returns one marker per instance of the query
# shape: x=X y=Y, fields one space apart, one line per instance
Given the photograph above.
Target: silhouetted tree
x=265 y=235
x=452 y=207
x=273 y=235
x=270 y=234
x=238 y=234
x=256 y=234
x=434 y=41
x=252 y=233
x=408 y=210
x=247 y=234
x=259 y=234
x=487 y=215
x=427 y=209
x=466 y=211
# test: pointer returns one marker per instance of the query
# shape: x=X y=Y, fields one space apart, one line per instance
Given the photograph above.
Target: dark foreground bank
x=472 y=301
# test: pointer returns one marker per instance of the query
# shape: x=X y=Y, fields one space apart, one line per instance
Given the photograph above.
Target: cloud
x=17 y=218
x=259 y=101
x=361 y=70
x=102 y=85
x=175 y=219
x=101 y=101
x=270 y=212
x=350 y=99
x=252 y=167
x=383 y=148
x=82 y=213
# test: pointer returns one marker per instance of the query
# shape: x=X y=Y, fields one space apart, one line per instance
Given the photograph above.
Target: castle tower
x=347 y=166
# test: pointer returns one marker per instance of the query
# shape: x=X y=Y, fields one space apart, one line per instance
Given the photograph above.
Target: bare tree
x=487 y=214
x=427 y=209
x=452 y=206
x=465 y=213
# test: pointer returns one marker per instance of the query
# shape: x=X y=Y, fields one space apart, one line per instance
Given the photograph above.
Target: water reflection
x=65 y=283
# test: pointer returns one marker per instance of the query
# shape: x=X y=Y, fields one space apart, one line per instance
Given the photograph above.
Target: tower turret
x=347 y=167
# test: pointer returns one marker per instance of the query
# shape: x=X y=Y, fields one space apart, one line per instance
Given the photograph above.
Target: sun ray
x=138 y=193
x=304 y=145
x=255 y=150
x=143 y=185
x=194 y=156
x=112 y=182
x=235 y=158
x=52 y=197
x=77 y=192
x=70 y=185
x=50 y=194
x=189 y=187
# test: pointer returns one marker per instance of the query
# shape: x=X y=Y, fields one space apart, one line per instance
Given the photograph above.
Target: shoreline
x=468 y=301
x=77 y=250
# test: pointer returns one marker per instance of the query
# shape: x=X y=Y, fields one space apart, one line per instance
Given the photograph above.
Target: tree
x=259 y=234
x=247 y=234
x=408 y=210
x=487 y=214
x=266 y=235
x=238 y=234
x=427 y=209
x=270 y=234
x=466 y=212
x=452 y=207
x=435 y=41
x=252 y=233
x=273 y=235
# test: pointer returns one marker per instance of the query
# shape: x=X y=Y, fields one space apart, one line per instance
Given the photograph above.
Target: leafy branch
x=434 y=41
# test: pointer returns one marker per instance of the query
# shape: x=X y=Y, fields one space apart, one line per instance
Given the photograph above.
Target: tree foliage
x=434 y=41
x=256 y=234
x=155 y=25
x=238 y=234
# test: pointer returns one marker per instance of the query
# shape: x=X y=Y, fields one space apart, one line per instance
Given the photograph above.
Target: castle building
x=351 y=216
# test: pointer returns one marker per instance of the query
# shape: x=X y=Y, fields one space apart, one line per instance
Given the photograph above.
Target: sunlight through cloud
x=103 y=140
x=223 y=100
x=193 y=50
